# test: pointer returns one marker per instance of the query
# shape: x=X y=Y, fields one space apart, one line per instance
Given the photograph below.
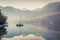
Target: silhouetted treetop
x=2 y=18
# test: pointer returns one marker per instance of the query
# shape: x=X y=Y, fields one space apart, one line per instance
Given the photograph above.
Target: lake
x=13 y=30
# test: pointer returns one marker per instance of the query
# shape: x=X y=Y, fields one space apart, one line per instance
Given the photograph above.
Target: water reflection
x=52 y=23
x=2 y=32
x=25 y=30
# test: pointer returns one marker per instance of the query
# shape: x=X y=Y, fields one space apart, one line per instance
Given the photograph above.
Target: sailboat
x=20 y=24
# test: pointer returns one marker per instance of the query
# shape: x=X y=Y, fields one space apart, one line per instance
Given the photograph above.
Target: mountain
x=1 y=7
x=54 y=6
x=49 y=17
x=49 y=10
x=38 y=14
x=13 y=12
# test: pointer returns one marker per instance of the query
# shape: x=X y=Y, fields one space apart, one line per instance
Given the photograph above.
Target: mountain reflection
x=2 y=32
x=52 y=23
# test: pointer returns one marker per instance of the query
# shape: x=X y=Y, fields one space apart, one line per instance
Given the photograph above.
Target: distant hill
x=37 y=14
x=49 y=10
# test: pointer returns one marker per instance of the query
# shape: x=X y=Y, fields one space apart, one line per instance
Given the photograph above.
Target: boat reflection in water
x=20 y=25
x=2 y=32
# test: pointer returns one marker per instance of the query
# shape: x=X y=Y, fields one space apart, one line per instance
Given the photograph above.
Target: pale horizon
x=28 y=4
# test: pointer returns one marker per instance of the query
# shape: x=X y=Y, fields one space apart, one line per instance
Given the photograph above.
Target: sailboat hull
x=19 y=24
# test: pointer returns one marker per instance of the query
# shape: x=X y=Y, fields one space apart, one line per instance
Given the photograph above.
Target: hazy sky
x=29 y=4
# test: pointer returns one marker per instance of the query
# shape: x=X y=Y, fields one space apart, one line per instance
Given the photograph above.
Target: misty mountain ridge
x=49 y=9
x=54 y=6
x=47 y=15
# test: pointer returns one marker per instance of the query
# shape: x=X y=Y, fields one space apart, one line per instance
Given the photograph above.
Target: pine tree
x=2 y=18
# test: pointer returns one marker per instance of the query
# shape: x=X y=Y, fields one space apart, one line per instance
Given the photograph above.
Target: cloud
x=28 y=37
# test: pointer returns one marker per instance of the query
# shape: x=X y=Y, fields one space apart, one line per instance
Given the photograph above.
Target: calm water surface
x=13 y=30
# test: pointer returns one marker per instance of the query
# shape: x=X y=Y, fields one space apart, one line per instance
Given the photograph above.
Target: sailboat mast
x=20 y=25
x=20 y=19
